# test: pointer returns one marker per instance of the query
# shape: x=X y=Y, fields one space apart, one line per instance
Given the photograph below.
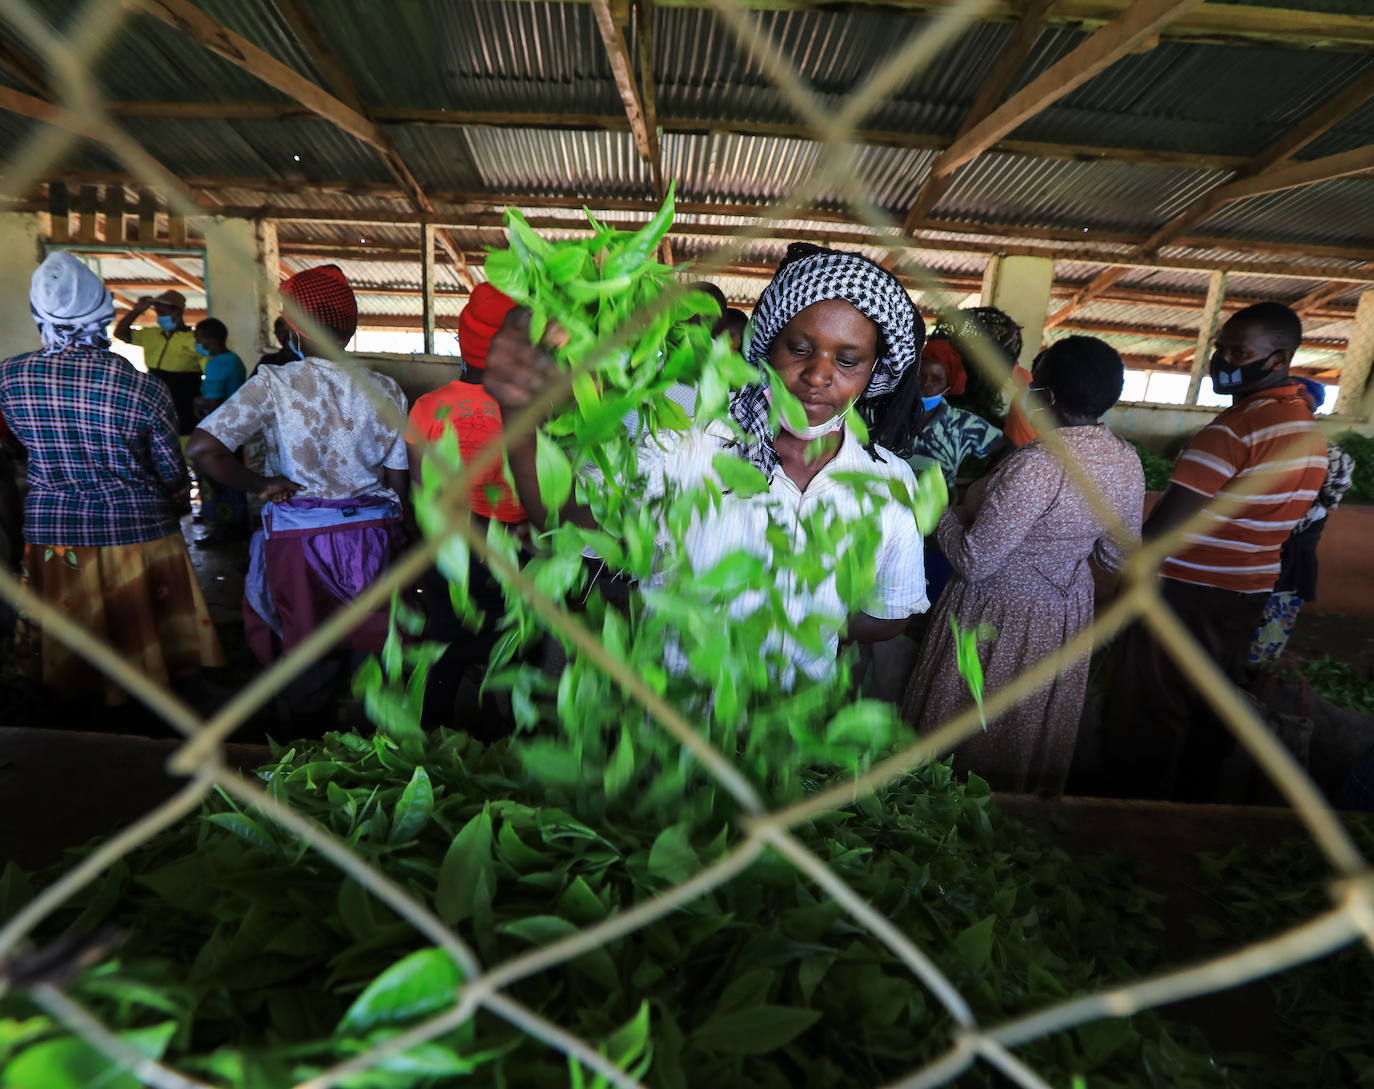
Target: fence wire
x=79 y=114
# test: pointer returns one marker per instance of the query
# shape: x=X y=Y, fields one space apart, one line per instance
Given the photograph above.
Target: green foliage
x=1340 y=682
x=256 y=963
x=1157 y=468
x=1317 y=1032
x=1361 y=448
x=717 y=643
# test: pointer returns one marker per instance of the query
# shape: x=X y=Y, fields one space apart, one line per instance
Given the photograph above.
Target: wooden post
x=1211 y=319
x=176 y=231
x=114 y=214
x=427 y=283
x=58 y=210
x=147 y=218
x=87 y=205
x=1359 y=357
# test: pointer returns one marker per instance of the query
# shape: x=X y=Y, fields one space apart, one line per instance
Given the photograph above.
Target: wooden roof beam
x=1217 y=23
x=612 y=29
x=263 y=111
x=346 y=115
x=1270 y=162
x=1135 y=25
x=1091 y=290
x=994 y=87
x=238 y=50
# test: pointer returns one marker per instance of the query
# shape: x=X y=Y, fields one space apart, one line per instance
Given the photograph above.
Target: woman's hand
x=180 y=499
x=517 y=371
x=277 y=489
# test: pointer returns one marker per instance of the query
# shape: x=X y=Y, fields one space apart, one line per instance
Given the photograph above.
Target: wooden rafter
x=619 y=122
x=1319 y=297
x=1358 y=160
x=175 y=271
x=24 y=69
x=1274 y=159
x=994 y=87
x=1137 y=24
x=1224 y=23
x=638 y=112
x=1091 y=290
x=186 y=17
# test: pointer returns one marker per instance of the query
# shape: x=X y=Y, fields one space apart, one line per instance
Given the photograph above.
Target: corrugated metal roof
x=258 y=149
x=1054 y=193
x=1338 y=212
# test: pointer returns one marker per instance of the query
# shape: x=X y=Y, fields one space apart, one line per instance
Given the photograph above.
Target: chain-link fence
x=80 y=114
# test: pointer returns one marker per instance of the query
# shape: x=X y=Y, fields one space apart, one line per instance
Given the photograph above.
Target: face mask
x=930 y=403
x=167 y=322
x=1225 y=380
x=202 y=349
x=811 y=431
x=293 y=346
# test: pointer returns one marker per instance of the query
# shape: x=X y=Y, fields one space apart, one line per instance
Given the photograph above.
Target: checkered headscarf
x=326 y=295
x=807 y=275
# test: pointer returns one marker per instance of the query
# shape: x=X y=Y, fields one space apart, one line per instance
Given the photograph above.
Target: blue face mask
x=202 y=349
x=931 y=403
x=167 y=322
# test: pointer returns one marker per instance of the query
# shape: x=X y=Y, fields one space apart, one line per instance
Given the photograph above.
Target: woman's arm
x=217 y=461
x=863 y=628
x=124 y=330
x=517 y=372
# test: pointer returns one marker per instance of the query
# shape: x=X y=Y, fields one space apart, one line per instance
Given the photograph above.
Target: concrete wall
x=416 y=374
x=22 y=250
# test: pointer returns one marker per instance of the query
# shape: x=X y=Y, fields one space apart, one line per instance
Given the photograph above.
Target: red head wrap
x=481 y=318
x=325 y=294
x=943 y=353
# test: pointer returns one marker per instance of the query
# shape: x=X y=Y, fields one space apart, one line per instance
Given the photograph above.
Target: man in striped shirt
x=1266 y=452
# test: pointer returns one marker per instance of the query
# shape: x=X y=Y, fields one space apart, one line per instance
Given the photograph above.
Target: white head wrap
x=70 y=304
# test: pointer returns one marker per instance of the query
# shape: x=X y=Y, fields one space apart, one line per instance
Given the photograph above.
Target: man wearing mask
x=169 y=351
x=1160 y=736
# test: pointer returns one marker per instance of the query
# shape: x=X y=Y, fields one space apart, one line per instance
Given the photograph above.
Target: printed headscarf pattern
x=70 y=303
x=986 y=321
x=479 y=322
x=326 y=295
x=808 y=275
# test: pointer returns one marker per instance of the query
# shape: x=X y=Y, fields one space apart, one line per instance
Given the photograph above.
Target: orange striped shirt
x=1271 y=431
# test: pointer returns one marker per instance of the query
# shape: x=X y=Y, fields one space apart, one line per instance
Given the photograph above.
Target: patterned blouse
x=102 y=444
x=951 y=437
x=327 y=430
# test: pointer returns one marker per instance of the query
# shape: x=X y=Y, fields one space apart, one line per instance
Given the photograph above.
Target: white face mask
x=810 y=431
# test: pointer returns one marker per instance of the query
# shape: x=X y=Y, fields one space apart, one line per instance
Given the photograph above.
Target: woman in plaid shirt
x=106 y=484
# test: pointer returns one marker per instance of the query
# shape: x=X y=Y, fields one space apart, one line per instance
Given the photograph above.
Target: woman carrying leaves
x=1019 y=545
x=833 y=329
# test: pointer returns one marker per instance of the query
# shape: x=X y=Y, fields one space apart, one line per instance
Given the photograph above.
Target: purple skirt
x=311 y=557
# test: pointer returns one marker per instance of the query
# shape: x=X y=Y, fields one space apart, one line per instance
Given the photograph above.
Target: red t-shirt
x=470 y=411
x=1273 y=431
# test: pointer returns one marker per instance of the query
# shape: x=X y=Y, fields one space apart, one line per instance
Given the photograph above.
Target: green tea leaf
x=738 y=475
x=414 y=808
x=672 y=857
x=423 y=983
x=974 y=945
x=555 y=473
x=71 y=1063
x=466 y=864
x=755 y=1031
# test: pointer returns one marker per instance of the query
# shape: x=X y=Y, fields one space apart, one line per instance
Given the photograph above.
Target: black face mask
x=1229 y=379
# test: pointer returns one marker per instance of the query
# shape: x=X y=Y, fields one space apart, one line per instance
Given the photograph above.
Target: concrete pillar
x=1020 y=286
x=22 y=250
x=234 y=282
x=1355 y=367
